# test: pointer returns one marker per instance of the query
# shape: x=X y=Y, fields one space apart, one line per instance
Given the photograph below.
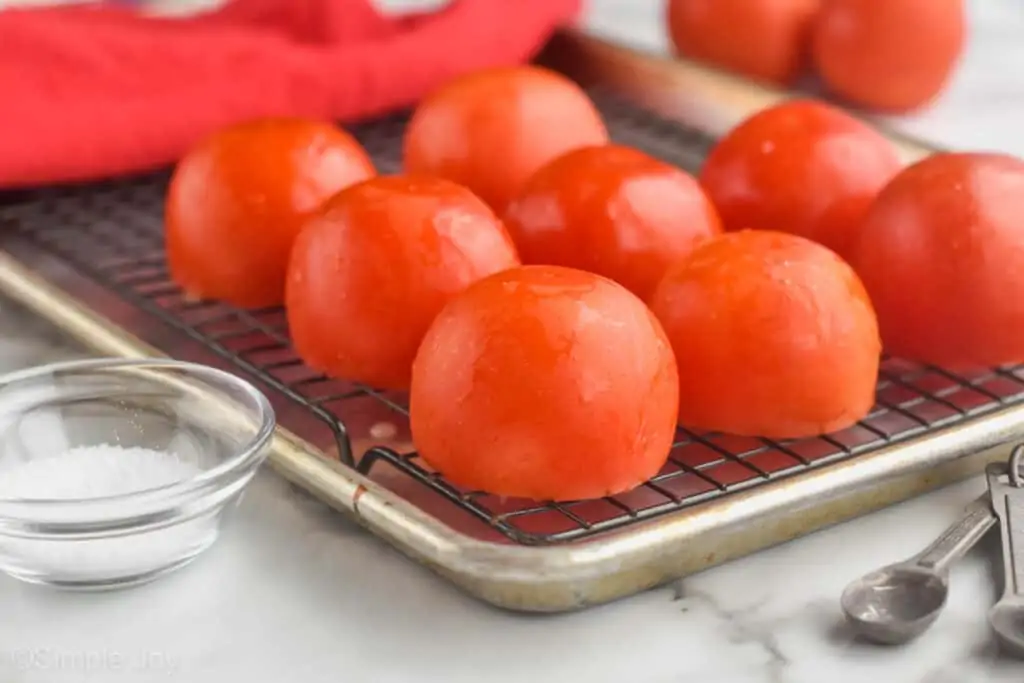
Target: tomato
x=763 y=39
x=774 y=336
x=940 y=253
x=614 y=211
x=800 y=167
x=237 y=200
x=369 y=272
x=895 y=55
x=491 y=130
x=545 y=382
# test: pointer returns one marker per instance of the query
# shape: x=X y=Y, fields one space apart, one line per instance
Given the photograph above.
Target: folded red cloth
x=95 y=91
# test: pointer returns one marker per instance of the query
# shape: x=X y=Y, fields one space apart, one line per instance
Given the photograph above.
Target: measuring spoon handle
x=1008 y=504
x=961 y=536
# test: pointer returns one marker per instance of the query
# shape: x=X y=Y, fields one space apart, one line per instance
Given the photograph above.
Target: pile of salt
x=97 y=472
x=93 y=472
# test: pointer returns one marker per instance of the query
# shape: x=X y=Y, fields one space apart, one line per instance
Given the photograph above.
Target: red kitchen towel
x=88 y=92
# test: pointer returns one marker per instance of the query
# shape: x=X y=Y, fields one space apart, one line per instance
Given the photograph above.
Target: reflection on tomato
x=894 y=55
x=763 y=39
x=614 y=211
x=372 y=268
x=491 y=130
x=940 y=252
x=545 y=382
x=773 y=334
x=801 y=167
x=238 y=199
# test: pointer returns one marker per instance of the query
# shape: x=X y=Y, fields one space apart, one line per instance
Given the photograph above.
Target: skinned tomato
x=545 y=382
x=611 y=210
x=763 y=39
x=802 y=167
x=372 y=268
x=774 y=336
x=895 y=55
x=940 y=254
x=491 y=130
x=237 y=200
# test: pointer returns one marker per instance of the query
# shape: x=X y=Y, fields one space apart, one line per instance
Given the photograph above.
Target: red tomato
x=774 y=336
x=801 y=167
x=370 y=271
x=237 y=200
x=893 y=55
x=492 y=129
x=763 y=39
x=613 y=211
x=940 y=252
x=547 y=383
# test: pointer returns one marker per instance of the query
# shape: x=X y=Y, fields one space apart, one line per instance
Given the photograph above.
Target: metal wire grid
x=113 y=234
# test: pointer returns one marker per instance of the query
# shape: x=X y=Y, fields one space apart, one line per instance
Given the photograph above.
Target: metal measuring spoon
x=1007 y=489
x=897 y=603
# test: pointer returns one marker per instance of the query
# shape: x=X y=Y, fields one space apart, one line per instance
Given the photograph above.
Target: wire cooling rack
x=112 y=233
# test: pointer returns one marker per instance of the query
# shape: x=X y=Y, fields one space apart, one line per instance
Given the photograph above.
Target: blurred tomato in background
x=762 y=39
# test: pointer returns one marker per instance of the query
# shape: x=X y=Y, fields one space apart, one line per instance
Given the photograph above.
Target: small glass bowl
x=113 y=472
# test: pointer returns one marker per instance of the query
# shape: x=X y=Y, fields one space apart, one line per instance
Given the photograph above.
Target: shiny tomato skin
x=545 y=382
x=763 y=39
x=237 y=200
x=802 y=167
x=491 y=130
x=611 y=210
x=894 y=56
x=940 y=252
x=372 y=268
x=774 y=336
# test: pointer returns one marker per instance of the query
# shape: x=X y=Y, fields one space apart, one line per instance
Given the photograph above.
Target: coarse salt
x=93 y=472
x=97 y=472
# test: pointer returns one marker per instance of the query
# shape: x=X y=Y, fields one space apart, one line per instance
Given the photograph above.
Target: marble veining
x=294 y=592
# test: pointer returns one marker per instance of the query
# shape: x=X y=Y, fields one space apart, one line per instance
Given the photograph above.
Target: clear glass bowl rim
x=77 y=511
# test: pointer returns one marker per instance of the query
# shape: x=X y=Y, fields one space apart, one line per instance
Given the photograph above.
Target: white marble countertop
x=295 y=593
